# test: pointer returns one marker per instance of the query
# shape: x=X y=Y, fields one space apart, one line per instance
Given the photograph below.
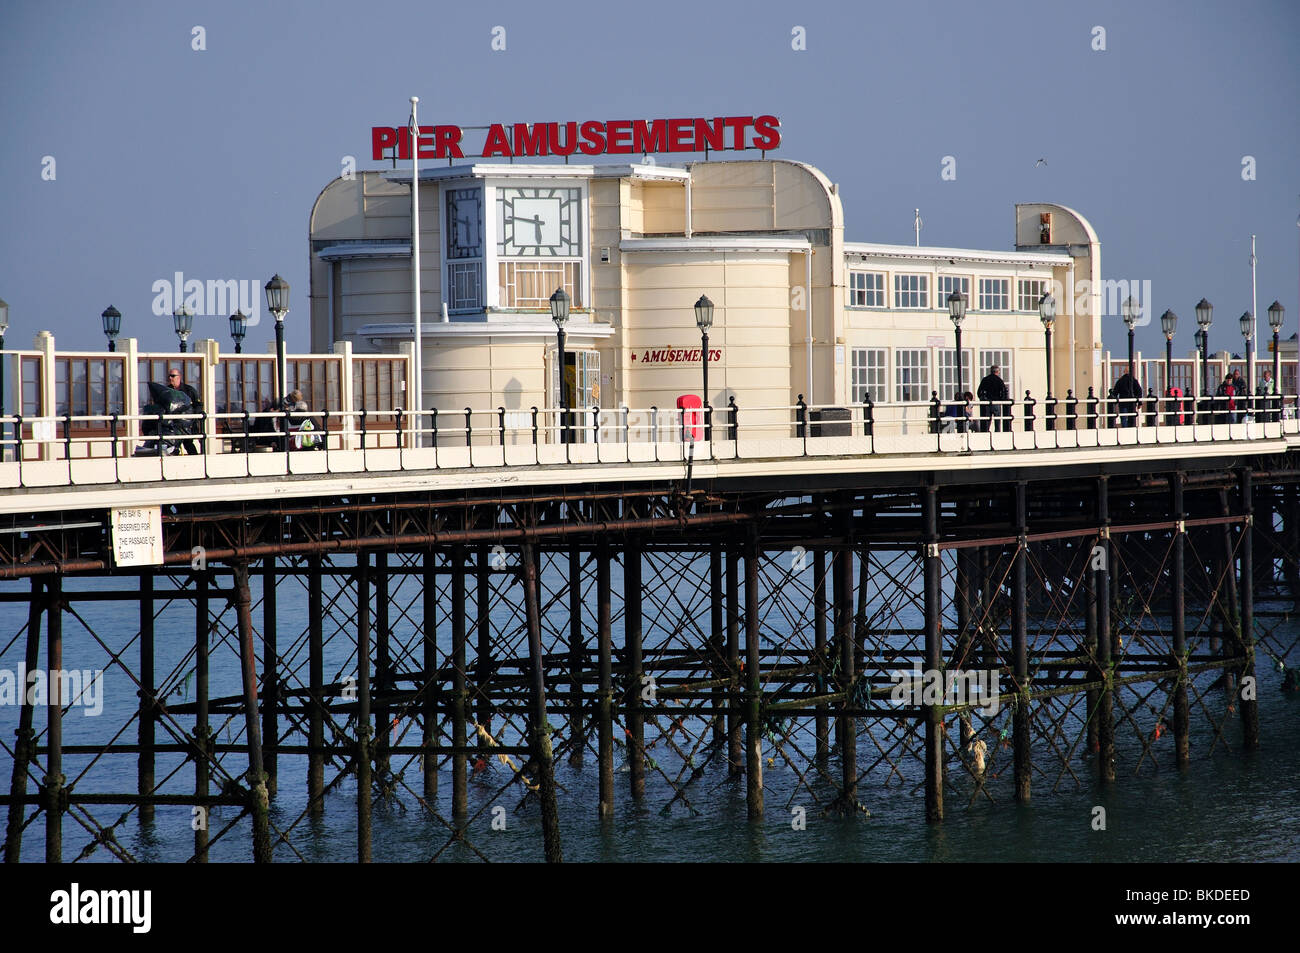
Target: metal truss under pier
x=953 y=638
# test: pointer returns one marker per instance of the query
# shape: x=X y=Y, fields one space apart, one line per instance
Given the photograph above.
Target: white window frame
x=907 y=367
x=921 y=291
x=945 y=376
x=867 y=375
x=1004 y=295
x=963 y=284
x=861 y=294
x=1024 y=303
x=1005 y=360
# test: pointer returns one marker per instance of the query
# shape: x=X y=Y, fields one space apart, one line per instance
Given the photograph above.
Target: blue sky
x=207 y=162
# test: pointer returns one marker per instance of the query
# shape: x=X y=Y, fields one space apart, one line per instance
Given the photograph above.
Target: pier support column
x=259 y=799
x=735 y=748
x=483 y=653
x=1249 y=689
x=148 y=700
x=820 y=591
x=25 y=747
x=1105 y=699
x=364 y=776
x=1091 y=698
x=753 y=685
x=1020 y=648
x=847 y=729
x=964 y=600
x=432 y=686
x=540 y=728
x=933 y=654
x=459 y=696
x=55 y=794
x=605 y=701
x=270 y=674
x=1291 y=528
x=717 y=643
x=1178 y=598
x=203 y=751
x=316 y=687
x=383 y=673
x=632 y=627
x=575 y=653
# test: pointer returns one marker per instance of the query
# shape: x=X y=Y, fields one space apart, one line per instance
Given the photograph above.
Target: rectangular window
x=866 y=289
x=911 y=374
x=465 y=285
x=1029 y=291
x=995 y=294
x=948 y=373
x=869 y=369
x=911 y=291
x=1000 y=358
x=530 y=284
x=945 y=285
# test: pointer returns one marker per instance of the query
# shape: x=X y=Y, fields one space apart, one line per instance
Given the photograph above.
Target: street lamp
x=183 y=321
x=112 y=320
x=1130 y=309
x=1169 y=324
x=957 y=311
x=1047 y=314
x=238 y=328
x=560 y=315
x=277 y=302
x=1276 y=316
x=704 y=321
x=1204 y=316
x=4 y=326
x=1247 y=322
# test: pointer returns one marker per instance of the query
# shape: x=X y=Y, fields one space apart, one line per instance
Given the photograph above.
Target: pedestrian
x=1128 y=389
x=1266 y=389
x=1225 y=411
x=175 y=382
x=993 y=395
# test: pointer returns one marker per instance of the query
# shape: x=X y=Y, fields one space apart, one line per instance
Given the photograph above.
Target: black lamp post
x=1169 y=324
x=1276 y=316
x=957 y=312
x=277 y=302
x=183 y=321
x=112 y=319
x=4 y=326
x=1130 y=309
x=560 y=315
x=1047 y=314
x=1204 y=316
x=704 y=321
x=238 y=328
x=1247 y=322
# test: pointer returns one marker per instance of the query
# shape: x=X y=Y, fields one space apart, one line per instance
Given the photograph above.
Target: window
x=530 y=284
x=869 y=369
x=154 y=370
x=243 y=384
x=911 y=374
x=1002 y=358
x=995 y=294
x=379 y=387
x=948 y=373
x=945 y=285
x=911 y=291
x=464 y=284
x=87 y=387
x=866 y=289
x=1029 y=292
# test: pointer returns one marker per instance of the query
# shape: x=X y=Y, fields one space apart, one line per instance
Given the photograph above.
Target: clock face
x=464 y=223
x=539 y=222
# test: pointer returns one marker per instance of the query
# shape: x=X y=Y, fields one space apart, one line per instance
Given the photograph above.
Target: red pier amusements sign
x=590 y=138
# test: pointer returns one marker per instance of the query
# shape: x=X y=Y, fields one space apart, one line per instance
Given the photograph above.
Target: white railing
x=118 y=448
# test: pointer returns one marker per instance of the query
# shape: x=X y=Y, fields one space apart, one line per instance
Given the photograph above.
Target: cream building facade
x=798 y=309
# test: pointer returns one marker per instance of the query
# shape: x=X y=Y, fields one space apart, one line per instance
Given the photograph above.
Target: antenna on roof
x=918 y=223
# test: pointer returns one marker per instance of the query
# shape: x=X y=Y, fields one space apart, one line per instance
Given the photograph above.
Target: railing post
x=433 y=435
x=469 y=432
x=1029 y=413
x=67 y=438
x=1049 y=413
x=363 y=433
x=501 y=427
x=1071 y=410
x=534 y=414
x=18 y=437
x=325 y=436
x=935 y=408
x=1090 y=409
x=868 y=416
x=401 y=438
x=654 y=429
x=595 y=412
x=801 y=428
x=113 y=432
x=627 y=425
x=734 y=425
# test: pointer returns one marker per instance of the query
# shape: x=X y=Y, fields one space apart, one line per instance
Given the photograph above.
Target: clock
x=464 y=223
x=539 y=222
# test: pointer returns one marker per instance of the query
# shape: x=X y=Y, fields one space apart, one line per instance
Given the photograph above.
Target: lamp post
x=277 y=302
x=238 y=328
x=1247 y=322
x=704 y=321
x=957 y=311
x=4 y=427
x=1130 y=310
x=1047 y=314
x=1276 y=316
x=560 y=315
x=112 y=320
x=183 y=321
x=1169 y=324
x=1204 y=316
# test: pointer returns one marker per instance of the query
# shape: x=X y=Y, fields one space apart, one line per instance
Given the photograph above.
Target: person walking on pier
x=174 y=382
x=993 y=395
x=1226 y=403
x=1128 y=391
x=1266 y=390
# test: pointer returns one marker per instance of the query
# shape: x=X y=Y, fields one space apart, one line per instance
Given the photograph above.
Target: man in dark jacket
x=993 y=390
x=1128 y=391
x=174 y=382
